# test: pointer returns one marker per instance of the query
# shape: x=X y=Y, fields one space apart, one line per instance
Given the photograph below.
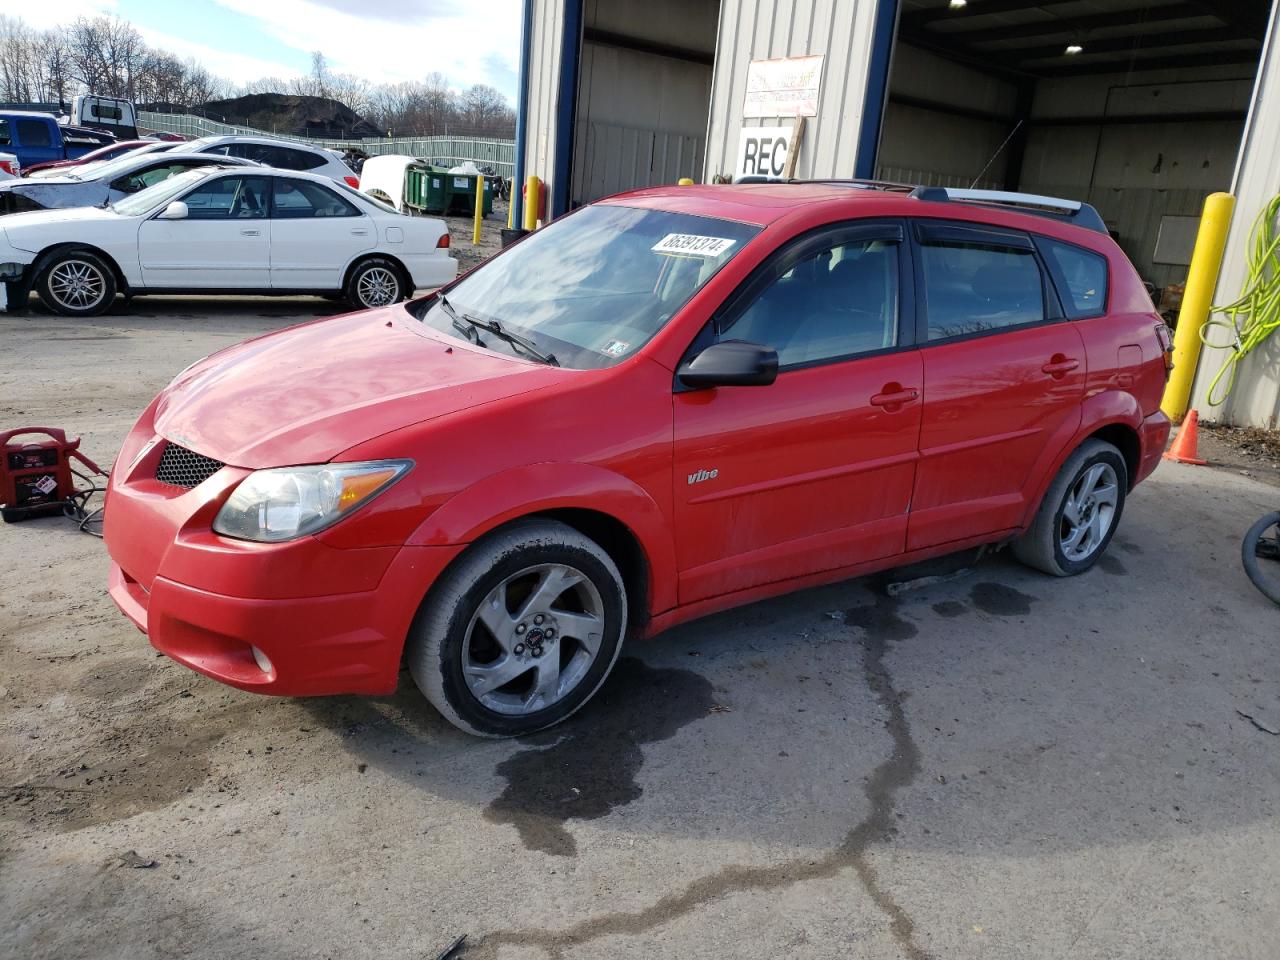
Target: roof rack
x=835 y=182
x=1055 y=208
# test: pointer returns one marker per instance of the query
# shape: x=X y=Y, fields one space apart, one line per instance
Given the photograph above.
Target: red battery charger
x=36 y=477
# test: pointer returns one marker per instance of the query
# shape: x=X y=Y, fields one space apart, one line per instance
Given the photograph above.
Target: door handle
x=359 y=233
x=250 y=233
x=892 y=396
x=1060 y=366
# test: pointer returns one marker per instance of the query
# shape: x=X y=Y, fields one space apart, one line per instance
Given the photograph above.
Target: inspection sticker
x=691 y=245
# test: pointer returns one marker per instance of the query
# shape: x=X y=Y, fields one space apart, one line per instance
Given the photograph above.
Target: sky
x=384 y=41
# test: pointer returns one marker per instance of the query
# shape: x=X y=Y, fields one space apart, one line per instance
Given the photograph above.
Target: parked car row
x=219 y=214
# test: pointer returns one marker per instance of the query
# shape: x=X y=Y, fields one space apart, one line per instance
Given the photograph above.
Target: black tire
x=77 y=283
x=1259 y=549
x=440 y=642
x=1041 y=546
x=386 y=272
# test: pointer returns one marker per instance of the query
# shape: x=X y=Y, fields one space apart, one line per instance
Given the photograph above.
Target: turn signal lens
x=1165 y=336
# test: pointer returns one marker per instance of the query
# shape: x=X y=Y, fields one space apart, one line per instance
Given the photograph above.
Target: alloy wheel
x=1089 y=512
x=378 y=287
x=533 y=639
x=77 y=285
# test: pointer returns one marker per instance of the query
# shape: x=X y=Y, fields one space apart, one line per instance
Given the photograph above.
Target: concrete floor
x=1000 y=765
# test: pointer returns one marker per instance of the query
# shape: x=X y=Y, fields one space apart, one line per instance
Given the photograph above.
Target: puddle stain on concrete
x=950 y=608
x=1001 y=600
x=1113 y=566
x=587 y=767
x=879 y=623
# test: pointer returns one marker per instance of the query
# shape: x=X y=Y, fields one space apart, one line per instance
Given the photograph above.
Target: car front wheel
x=1079 y=513
x=521 y=631
x=77 y=284
x=376 y=283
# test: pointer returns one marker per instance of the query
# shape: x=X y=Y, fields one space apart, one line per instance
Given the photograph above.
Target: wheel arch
x=405 y=276
x=44 y=257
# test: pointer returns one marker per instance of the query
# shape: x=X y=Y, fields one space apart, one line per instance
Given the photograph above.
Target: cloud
x=62 y=14
x=388 y=42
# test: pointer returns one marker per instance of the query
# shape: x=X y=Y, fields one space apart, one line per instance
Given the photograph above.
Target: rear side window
x=975 y=287
x=291 y=159
x=1080 y=276
x=5 y=140
x=300 y=200
x=33 y=133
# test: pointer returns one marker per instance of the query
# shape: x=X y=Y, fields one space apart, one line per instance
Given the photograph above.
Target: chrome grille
x=180 y=467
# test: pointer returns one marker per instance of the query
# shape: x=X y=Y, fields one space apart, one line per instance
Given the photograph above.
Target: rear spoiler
x=1055 y=208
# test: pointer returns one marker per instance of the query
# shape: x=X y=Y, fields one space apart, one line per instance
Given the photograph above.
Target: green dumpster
x=461 y=191
x=425 y=188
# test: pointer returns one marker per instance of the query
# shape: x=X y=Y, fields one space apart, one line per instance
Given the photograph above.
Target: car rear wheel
x=376 y=283
x=1079 y=513
x=77 y=284
x=521 y=631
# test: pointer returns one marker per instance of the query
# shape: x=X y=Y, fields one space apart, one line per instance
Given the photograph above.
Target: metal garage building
x=1141 y=107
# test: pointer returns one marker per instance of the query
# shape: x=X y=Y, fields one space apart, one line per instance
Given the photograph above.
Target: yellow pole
x=1202 y=279
x=684 y=182
x=511 y=210
x=475 y=234
x=532 y=187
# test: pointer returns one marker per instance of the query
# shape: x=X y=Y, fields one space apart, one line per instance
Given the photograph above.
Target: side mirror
x=733 y=363
x=177 y=210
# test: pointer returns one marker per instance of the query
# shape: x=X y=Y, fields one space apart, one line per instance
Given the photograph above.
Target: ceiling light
x=958 y=4
x=1073 y=49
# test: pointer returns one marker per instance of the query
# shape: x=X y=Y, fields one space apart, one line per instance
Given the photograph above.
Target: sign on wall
x=786 y=87
x=762 y=151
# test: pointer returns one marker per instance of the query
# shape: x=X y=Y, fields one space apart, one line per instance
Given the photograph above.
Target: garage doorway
x=1135 y=106
x=644 y=92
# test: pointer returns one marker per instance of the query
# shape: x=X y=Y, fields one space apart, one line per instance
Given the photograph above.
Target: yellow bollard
x=479 y=215
x=685 y=182
x=511 y=210
x=1202 y=279
x=532 y=191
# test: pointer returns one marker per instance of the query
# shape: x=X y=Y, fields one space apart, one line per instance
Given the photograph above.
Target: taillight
x=1165 y=336
x=443 y=242
x=353 y=182
x=10 y=166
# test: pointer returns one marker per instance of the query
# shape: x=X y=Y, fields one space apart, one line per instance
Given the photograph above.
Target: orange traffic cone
x=1184 y=444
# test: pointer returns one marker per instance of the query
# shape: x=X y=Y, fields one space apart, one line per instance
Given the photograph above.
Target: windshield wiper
x=469 y=325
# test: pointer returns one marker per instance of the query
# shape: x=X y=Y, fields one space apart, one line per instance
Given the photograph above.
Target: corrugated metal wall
x=544 y=82
x=758 y=30
x=1256 y=397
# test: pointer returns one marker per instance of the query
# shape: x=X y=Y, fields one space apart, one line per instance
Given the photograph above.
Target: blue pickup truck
x=38 y=138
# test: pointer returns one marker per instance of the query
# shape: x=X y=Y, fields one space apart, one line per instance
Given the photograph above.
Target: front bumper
x=329 y=620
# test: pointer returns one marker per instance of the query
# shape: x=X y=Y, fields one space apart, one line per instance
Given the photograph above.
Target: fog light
x=261 y=660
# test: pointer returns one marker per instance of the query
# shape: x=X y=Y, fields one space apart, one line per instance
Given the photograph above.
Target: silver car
x=105 y=182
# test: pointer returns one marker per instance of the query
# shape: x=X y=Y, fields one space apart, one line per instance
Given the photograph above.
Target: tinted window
x=141 y=179
x=1081 y=277
x=228 y=198
x=835 y=302
x=33 y=133
x=4 y=133
x=298 y=199
x=289 y=159
x=974 y=287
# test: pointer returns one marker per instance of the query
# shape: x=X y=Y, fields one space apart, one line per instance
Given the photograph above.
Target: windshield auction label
x=691 y=245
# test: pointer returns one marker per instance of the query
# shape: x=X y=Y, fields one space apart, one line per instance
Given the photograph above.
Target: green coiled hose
x=1255 y=315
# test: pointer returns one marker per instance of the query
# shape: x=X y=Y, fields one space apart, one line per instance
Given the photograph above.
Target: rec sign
x=762 y=151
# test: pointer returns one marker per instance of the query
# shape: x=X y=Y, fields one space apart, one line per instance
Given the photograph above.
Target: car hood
x=17 y=224
x=306 y=394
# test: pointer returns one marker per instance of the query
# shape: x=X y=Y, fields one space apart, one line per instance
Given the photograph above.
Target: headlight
x=290 y=502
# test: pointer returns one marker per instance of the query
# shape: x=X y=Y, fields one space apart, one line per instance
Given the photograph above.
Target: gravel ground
x=995 y=765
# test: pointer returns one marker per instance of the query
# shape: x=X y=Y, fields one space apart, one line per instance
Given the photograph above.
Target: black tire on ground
x=77 y=283
x=1263 y=570
x=376 y=282
x=440 y=642
x=1041 y=546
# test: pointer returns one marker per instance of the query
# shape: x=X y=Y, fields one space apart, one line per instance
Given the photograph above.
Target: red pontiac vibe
x=664 y=404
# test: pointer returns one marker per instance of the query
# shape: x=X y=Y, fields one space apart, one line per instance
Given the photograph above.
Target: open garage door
x=1136 y=106
x=644 y=89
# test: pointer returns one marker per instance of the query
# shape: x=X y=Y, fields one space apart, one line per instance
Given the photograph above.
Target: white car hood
x=29 y=231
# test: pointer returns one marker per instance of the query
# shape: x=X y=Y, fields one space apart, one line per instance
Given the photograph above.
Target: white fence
x=447 y=151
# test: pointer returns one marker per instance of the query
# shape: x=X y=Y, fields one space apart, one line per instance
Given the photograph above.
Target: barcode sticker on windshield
x=691 y=245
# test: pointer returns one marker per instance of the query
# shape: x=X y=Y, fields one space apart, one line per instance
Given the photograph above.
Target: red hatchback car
x=664 y=404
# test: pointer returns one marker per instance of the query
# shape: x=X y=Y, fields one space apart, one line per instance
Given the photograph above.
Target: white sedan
x=224 y=231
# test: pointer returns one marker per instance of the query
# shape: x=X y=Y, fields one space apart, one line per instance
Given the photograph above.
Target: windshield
x=158 y=194
x=594 y=287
